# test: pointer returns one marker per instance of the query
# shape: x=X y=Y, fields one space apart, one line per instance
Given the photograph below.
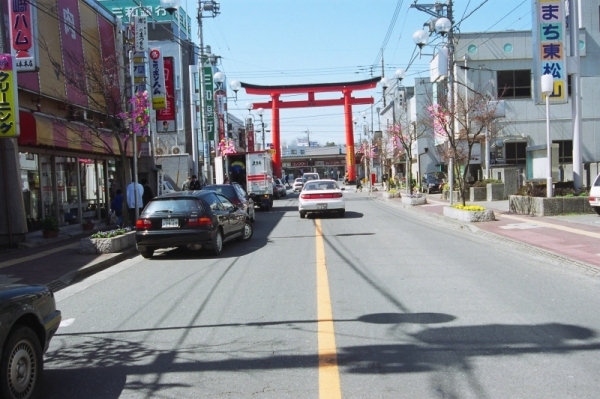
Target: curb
x=90 y=269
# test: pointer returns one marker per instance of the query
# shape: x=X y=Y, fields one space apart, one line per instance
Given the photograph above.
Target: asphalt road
x=380 y=304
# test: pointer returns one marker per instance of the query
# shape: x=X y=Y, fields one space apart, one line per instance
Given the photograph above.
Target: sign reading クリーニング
x=549 y=48
x=9 y=107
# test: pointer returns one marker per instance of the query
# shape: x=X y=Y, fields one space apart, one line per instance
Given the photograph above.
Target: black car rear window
x=173 y=205
x=227 y=191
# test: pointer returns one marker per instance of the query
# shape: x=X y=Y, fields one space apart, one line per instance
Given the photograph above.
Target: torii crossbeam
x=346 y=100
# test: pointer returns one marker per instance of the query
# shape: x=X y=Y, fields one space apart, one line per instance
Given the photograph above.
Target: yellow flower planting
x=469 y=207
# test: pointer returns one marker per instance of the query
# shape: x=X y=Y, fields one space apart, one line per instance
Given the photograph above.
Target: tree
x=403 y=134
x=101 y=80
x=461 y=125
x=330 y=144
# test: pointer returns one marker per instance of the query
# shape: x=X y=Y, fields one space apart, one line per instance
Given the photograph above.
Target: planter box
x=107 y=245
x=414 y=200
x=50 y=233
x=388 y=195
x=469 y=216
x=539 y=206
x=478 y=193
x=495 y=192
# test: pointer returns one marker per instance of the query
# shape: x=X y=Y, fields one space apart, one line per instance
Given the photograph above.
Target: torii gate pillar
x=347 y=101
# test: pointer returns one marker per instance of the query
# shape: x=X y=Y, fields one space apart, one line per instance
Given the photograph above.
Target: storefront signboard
x=22 y=32
x=165 y=118
x=9 y=103
x=157 y=79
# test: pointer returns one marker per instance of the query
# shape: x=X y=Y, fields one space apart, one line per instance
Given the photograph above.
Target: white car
x=321 y=196
x=298 y=183
x=595 y=195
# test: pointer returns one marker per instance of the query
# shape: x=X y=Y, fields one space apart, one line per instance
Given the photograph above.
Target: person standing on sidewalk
x=116 y=206
x=131 y=203
x=186 y=185
x=194 y=184
x=148 y=194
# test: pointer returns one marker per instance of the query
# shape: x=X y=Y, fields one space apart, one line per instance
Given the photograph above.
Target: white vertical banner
x=140 y=26
x=157 y=79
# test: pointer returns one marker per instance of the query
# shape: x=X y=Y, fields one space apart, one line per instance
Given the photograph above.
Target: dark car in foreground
x=190 y=219
x=28 y=321
x=237 y=195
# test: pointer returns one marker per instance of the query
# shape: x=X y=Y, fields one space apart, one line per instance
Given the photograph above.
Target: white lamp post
x=547 y=89
x=235 y=85
x=384 y=85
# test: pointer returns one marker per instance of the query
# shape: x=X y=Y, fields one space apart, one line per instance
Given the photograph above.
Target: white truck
x=253 y=171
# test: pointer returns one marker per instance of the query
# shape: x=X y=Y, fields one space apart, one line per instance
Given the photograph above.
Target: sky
x=276 y=42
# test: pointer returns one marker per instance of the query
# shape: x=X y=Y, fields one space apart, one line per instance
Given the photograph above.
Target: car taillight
x=143 y=224
x=321 y=196
x=201 y=221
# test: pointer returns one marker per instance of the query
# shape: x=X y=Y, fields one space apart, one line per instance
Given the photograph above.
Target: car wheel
x=302 y=214
x=247 y=231
x=597 y=209
x=147 y=252
x=217 y=243
x=342 y=213
x=22 y=364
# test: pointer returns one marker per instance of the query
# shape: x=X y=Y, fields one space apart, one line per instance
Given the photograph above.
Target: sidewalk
x=55 y=262
x=573 y=239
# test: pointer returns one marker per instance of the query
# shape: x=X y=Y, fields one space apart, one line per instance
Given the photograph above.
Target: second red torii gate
x=347 y=101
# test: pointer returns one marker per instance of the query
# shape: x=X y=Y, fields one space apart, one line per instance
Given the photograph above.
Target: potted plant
x=49 y=226
x=88 y=224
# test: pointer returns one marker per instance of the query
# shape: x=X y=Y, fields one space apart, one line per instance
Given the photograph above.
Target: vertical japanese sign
x=140 y=28
x=157 y=81
x=21 y=35
x=9 y=107
x=549 y=41
x=165 y=118
x=209 y=101
x=249 y=134
x=220 y=101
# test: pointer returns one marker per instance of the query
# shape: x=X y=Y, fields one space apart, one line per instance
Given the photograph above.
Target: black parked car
x=28 y=320
x=433 y=182
x=237 y=195
x=190 y=219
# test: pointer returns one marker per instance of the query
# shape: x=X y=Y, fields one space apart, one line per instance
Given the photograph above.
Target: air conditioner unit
x=177 y=149
x=160 y=151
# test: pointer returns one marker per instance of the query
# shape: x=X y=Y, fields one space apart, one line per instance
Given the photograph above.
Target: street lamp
x=547 y=89
x=384 y=85
x=369 y=149
x=235 y=85
x=260 y=113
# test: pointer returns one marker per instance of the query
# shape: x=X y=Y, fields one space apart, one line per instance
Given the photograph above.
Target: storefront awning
x=46 y=131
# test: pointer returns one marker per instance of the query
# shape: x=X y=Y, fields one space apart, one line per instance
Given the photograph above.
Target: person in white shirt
x=131 y=200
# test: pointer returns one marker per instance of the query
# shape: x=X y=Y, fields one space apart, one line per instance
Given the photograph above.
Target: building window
x=565 y=151
x=514 y=84
x=515 y=153
x=294 y=152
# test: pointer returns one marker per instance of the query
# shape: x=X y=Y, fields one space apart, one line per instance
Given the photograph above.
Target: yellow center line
x=36 y=256
x=329 y=376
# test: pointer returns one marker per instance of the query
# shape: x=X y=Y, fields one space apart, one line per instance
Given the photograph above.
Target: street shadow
x=79 y=365
x=347 y=215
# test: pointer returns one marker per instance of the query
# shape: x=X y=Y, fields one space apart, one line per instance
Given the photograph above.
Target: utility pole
x=308 y=136
x=13 y=224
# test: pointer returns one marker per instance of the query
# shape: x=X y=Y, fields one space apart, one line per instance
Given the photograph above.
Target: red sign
x=21 y=35
x=168 y=114
x=250 y=134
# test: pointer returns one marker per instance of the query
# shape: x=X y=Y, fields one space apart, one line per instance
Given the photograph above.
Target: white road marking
x=66 y=323
x=520 y=226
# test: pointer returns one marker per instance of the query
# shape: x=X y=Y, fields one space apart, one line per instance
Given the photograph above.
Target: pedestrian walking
x=131 y=200
x=194 y=184
x=116 y=206
x=186 y=185
x=148 y=194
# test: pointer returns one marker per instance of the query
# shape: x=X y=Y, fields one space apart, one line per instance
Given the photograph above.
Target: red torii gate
x=347 y=101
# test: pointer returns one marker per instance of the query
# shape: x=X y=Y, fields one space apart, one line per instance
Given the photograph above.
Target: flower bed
x=105 y=242
x=414 y=199
x=390 y=194
x=469 y=213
